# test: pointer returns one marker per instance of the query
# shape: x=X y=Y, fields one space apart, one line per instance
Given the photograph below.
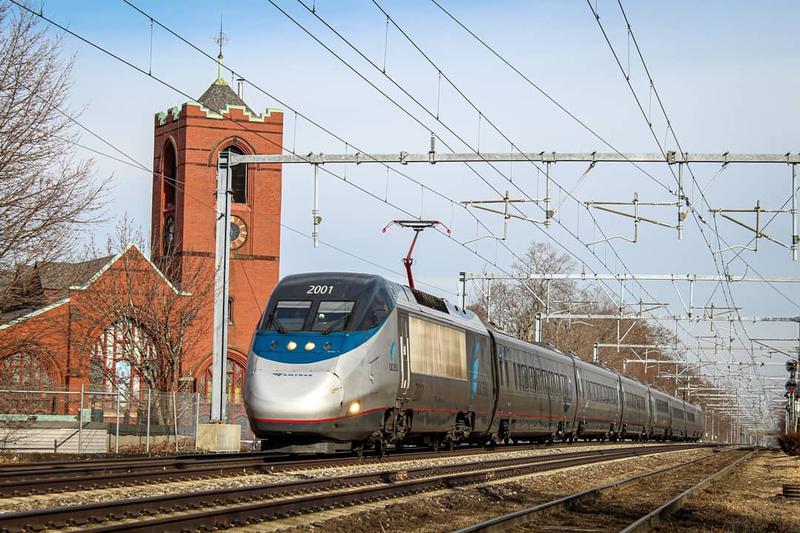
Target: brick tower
x=188 y=139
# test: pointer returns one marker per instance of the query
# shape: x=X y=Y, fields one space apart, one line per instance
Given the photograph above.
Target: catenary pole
x=221 y=277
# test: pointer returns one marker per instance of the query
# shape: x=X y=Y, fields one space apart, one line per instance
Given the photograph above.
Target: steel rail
x=652 y=518
x=522 y=517
x=21 y=480
x=383 y=484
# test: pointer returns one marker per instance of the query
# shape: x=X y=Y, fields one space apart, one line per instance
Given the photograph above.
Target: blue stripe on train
x=340 y=342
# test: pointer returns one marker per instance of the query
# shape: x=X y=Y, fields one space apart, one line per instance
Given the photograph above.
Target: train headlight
x=291 y=345
x=310 y=346
x=355 y=407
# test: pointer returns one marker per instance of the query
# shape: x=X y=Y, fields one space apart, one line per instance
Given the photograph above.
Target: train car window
x=516 y=378
x=662 y=406
x=505 y=362
x=376 y=313
x=288 y=316
x=332 y=316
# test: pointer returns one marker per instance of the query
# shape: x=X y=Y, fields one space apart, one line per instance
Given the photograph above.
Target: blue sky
x=727 y=72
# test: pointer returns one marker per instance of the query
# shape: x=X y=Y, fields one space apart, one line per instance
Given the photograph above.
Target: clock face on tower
x=238 y=232
x=169 y=235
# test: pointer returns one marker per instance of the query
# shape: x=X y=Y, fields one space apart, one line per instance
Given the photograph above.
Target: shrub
x=790 y=443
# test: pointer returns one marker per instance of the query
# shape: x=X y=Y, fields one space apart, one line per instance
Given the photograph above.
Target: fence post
x=116 y=431
x=196 y=418
x=175 y=419
x=80 y=423
x=147 y=442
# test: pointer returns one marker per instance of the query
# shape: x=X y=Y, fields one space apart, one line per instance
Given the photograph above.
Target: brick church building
x=57 y=336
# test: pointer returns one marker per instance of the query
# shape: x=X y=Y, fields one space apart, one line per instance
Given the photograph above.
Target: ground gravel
x=747 y=500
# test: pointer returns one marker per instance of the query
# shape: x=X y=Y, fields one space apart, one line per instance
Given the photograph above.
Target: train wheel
x=435 y=444
x=380 y=449
x=358 y=449
x=398 y=446
x=450 y=444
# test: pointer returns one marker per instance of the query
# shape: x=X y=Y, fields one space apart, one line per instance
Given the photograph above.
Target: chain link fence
x=86 y=421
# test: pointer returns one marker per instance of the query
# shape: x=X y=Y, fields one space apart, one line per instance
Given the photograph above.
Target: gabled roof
x=110 y=262
x=62 y=277
x=30 y=287
x=219 y=96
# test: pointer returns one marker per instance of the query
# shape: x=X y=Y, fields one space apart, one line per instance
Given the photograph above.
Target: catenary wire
x=118 y=58
x=319 y=126
x=242 y=126
x=449 y=129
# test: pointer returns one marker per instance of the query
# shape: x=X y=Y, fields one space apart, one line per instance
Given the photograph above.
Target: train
x=357 y=359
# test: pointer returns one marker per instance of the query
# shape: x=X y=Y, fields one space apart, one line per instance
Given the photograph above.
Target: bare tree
x=48 y=194
x=147 y=323
x=513 y=306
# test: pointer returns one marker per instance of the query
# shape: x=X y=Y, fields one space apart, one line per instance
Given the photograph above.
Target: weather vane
x=221 y=39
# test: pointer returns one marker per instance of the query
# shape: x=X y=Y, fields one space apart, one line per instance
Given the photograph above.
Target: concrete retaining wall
x=50 y=440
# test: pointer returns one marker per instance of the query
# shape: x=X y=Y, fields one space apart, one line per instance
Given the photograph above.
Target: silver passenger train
x=355 y=358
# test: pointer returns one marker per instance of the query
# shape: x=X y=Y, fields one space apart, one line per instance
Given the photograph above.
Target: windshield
x=329 y=302
x=288 y=316
x=332 y=316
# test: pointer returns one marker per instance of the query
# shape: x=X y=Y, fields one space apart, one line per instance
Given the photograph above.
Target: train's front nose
x=284 y=397
x=308 y=376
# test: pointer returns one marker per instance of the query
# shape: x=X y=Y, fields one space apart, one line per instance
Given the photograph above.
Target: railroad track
x=242 y=505
x=586 y=501
x=23 y=480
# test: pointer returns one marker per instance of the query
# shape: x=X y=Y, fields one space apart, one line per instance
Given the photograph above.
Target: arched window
x=238 y=179
x=23 y=371
x=234 y=385
x=122 y=352
x=169 y=170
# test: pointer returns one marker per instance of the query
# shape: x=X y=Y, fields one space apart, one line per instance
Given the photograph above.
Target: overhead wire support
x=603 y=206
x=506 y=201
x=759 y=233
x=543 y=156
